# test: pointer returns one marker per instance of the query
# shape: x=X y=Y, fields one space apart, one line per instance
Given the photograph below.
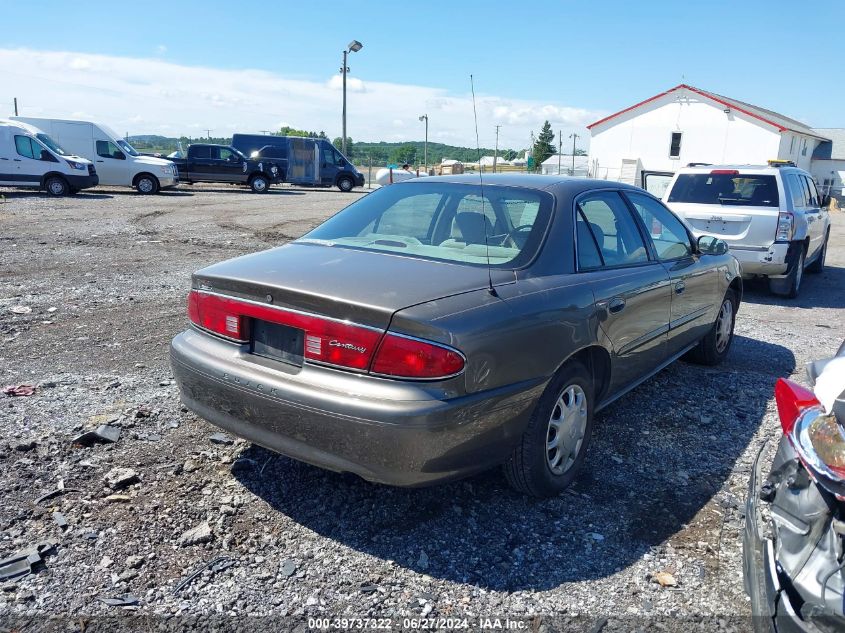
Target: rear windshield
x=502 y=226
x=748 y=190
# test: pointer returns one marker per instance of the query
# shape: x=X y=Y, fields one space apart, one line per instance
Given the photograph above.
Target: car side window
x=24 y=147
x=107 y=149
x=606 y=219
x=670 y=238
x=796 y=190
x=226 y=153
x=812 y=192
x=201 y=153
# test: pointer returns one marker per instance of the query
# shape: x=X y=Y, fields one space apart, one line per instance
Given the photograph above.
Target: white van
x=117 y=162
x=30 y=158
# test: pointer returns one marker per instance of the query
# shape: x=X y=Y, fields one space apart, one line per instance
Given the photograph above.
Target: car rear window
x=737 y=189
x=502 y=226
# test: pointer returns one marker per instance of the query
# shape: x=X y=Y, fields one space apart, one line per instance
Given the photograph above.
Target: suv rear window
x=749 y=190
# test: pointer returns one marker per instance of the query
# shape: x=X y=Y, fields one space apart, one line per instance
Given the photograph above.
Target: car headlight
x=166 y=170
x=75 y=165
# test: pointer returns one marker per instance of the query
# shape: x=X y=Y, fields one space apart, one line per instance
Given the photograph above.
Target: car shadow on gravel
x=80 y=195
x=659 y=456
x=164 y=193
x=817 y=291
x=241 y=190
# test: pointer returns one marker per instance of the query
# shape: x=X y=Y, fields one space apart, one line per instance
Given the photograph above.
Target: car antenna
x=490 y=287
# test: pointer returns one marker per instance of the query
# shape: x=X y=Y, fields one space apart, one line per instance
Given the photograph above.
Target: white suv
x=772 y=217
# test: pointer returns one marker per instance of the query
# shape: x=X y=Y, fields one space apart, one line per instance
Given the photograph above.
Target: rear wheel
x=712 y=349
x=259 y=184
x=790 y=285
x=552 y=449
x=56 y=186
x=147 y=184
x=818 y=265
x=345 y=184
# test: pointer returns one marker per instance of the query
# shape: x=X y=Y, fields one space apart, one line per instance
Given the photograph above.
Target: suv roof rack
x=777 y=162
x=699 y=164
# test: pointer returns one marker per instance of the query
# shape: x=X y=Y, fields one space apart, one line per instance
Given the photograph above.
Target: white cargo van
x=30 y=158
x=117 y=162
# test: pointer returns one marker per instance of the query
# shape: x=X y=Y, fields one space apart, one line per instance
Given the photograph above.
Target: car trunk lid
x=738 y=225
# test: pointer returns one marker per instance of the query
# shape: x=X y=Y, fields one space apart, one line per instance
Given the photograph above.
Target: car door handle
x=17 y=160
x=617 y=304
x=100 y=161
x=680 y=287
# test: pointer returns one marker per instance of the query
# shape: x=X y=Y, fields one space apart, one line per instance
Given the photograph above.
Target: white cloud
x=155 y=96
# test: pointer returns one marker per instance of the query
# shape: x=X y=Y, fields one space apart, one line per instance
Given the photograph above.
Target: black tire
x=529 y=469
x=790 y=285
x=345 y=184
x=259 y=184
x=818 y=264
x=712 y=349
x=56 y=186
x=147 y=184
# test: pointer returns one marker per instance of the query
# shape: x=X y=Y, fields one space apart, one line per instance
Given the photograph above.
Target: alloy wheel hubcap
x=145 y=185
x=724 y=325
x=56 y=187
x=260 y=185
x=566 y=430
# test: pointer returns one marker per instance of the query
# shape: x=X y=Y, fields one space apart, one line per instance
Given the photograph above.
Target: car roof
x=528 y=181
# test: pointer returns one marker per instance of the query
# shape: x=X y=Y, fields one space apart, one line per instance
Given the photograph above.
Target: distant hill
x=362 y=152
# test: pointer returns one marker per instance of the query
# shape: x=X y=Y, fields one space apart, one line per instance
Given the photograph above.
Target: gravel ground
x=106 y=273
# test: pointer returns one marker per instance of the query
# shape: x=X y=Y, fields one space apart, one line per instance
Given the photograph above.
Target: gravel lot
x=106 y=273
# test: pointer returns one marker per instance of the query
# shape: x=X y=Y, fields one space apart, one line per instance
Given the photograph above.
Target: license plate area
x=277 y=342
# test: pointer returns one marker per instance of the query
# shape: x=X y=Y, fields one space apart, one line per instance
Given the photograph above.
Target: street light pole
x=573 y=136
x=354 y=47
x=424 y=117
x=496 y=150
x=559 y=149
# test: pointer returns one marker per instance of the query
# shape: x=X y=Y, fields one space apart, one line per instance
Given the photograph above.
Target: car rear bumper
x=385 y=430
x=770 y=261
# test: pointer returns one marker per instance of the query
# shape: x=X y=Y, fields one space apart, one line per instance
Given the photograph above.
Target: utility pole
x=16 y=106
x=424 y=117
x=265 y=132
x=208 y=134
x=496 y=151
x=573 y=136
x=559 y=149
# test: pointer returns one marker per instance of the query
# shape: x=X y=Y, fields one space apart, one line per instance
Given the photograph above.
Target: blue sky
x=563 y=60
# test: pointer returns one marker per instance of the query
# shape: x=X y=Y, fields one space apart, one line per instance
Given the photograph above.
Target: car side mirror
x=119 y=156
x=47 y=156
x=709 y=245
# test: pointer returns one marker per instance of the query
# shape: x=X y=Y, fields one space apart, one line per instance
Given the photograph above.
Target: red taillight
x=329 y=341
x=724 y=172
x=412 y=358
x=792 y=399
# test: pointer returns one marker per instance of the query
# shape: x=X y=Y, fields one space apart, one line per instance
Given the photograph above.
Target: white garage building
x=688 y=125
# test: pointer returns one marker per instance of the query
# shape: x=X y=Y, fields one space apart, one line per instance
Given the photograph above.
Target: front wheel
x=259 y=184
x=345 y=184
x=712 y=349
x=147 y=184
x=554 y=445
x=57 y=186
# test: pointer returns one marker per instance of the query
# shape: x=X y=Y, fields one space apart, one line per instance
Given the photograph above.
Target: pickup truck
x=223 y=163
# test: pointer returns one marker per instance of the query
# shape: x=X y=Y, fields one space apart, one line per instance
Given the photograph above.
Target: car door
x=28 y=165
x=816 y=223
x=631 y=288
x=330 y=165
x=226 y=165
x=199 y=163
x=693 y=278
x=111 y=164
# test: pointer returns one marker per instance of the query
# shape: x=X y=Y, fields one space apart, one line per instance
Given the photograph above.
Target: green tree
x=350 y=148
x=544 y=145
x=405 y=153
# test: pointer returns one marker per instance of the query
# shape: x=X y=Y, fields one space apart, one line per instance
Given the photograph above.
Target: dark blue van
x=310 y=161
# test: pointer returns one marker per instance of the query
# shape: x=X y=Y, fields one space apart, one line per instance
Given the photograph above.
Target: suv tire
x=345 y=184
x=259 y=184
x=147 y=184
x=790 y=285
x=818 y=264
x=56 y=186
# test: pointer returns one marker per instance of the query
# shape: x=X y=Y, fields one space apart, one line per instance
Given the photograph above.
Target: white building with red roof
x=688 y=125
